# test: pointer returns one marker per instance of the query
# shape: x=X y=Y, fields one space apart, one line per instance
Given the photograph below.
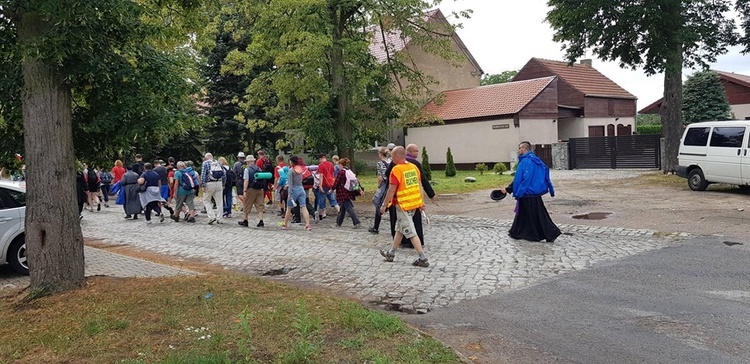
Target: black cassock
x=532 y=221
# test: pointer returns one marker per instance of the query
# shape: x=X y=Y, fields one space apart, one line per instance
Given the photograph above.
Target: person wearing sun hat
x=239 y=186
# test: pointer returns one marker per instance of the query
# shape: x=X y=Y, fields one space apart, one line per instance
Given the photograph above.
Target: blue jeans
x=321 y=196
x=228 y=200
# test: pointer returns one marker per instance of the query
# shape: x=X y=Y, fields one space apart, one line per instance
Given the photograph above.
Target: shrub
x=648 y=129
x=426 y=164
x=499 y=168
x=359 y=166
x=481 y=167
x=450 y=168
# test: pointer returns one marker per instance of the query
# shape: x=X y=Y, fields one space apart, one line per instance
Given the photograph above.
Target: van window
x=697 y=137
x=727 y=137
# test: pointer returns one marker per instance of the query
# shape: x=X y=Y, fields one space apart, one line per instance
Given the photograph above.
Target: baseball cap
x=390 y=146
x=241 y=155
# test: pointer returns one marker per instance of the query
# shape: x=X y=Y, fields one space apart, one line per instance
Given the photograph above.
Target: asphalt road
x=684 y=304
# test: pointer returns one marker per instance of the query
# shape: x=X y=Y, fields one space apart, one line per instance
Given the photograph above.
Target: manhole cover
x=592 y=216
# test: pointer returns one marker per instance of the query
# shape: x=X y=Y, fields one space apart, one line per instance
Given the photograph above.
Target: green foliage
x=245 y=341
x=481 y=168
x=450 y=168
x=492 y=79
x=324 y=83
x=648 y=119
x=360 y=167
x=127 y=69
x=426 y=164
x=499 y=168
x=648 y=129
x=704 y=98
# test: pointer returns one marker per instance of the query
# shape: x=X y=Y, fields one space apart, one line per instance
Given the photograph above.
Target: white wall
x=741 y=111
x=469 y=142
x=477 y=142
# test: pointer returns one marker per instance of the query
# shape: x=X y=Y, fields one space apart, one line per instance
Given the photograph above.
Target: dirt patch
x=652 y=201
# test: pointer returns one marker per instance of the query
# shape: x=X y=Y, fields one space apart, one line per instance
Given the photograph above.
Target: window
x=727 y=137
x=697 y=137
x=18 y=197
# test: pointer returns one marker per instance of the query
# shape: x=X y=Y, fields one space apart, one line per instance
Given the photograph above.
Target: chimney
x=586 y=62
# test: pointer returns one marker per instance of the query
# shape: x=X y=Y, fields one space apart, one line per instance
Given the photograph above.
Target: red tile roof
x=484 y=101
x=585 y=79
x=742 y=80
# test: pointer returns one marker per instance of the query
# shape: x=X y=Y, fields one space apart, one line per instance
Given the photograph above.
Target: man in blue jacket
x=531 y=182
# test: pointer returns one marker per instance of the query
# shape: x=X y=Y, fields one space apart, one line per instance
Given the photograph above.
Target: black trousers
x=152 y=206
x=406 y=243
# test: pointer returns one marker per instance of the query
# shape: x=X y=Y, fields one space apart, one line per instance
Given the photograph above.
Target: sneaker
x=80 y=217
x=148 y=221
x=98 y=207
x=282 y=225
x=210 y=222
x=192 y=219
x=357 y=226
x=421 y=263
x=243 y=223
x=106 y=204
x=260 y=224
x=161 y=217
x=373 y=231
x=308 y=227
x=323 y=216
x=175 y=218
x=388 y=256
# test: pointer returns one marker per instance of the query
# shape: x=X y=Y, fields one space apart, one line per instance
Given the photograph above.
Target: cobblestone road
x=470 y=257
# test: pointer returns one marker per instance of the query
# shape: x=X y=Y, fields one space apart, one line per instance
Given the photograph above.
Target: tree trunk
x=345 y=139
x=53 y=233
x=671 y=109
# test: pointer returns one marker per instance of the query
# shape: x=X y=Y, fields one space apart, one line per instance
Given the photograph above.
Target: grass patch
x=223 y=318
x=445 y=185
x=664 y=180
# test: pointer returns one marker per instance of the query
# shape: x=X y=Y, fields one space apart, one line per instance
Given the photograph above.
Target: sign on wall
x=501 y=126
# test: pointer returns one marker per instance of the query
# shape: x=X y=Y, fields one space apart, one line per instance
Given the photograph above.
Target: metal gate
x=631 y=151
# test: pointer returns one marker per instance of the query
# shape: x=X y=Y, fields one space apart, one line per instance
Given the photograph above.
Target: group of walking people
x=147 y=188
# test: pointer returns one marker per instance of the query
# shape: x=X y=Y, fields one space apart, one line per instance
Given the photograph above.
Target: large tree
x=658 y=36
x=705 y=98
x=114 y=72
x=324 y=81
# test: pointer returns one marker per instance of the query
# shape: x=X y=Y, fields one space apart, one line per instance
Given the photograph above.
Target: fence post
x=560 y=156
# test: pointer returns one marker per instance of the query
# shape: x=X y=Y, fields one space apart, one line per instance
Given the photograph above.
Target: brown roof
x=396 y=42
x=484 y=101
x=739 y=79
x=585 y=79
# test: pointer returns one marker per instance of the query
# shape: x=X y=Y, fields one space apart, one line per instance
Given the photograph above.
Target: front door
x=596 y=131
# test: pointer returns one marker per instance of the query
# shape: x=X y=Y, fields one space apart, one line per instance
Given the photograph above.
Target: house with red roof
x=548 y=101
x=737 y=88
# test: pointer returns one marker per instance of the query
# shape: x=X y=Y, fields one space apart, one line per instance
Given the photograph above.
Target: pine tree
x=450 y=168
x=705 y=98
x=426 y=164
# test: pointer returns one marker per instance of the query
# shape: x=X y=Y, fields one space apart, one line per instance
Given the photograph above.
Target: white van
x=715 y=152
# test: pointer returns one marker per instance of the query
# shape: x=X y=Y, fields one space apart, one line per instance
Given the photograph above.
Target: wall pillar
x=560 y=156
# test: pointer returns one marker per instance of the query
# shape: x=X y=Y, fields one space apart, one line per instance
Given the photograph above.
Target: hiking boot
x=175 y=218
x=192 y=219
x=421 y=263
x=243 y=223
x=260 y=224
x=373 y=231
x=387 y=255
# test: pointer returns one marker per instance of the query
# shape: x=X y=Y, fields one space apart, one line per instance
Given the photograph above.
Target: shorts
x=240 y=187
x=165 y=192
x=188 y=200
x=254 y=197
x=405 y=223
x=298 y=195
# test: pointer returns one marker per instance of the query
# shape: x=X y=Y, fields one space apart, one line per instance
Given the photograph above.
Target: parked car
x=715 y=152
x=12 y=232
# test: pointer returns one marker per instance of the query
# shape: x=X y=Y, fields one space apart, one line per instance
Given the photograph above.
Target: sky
x=504 y=34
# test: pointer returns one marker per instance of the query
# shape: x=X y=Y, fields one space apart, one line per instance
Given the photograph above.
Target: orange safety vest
x=408 y=193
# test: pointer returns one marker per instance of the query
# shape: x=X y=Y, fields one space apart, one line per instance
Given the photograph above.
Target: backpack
x=91 y=177
x=307 y=179
x=352 y=184
x=216 y=171
x=187 y=181
x=231 y=178
x=106 y=178
x=258 y=184
x=267 y=165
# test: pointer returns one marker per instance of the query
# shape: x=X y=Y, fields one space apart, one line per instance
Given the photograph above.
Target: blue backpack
x=187 y=181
